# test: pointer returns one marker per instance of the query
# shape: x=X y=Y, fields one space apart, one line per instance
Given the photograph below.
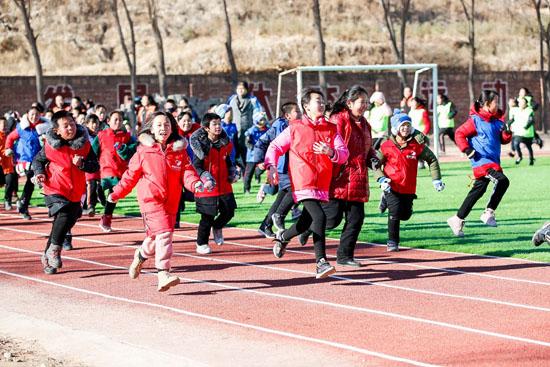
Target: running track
x=415 y=307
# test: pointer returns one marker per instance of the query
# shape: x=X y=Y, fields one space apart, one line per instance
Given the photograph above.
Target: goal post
x=418 y=68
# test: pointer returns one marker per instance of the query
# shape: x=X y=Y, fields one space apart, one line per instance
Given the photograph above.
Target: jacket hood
x=201 y=145
x=80 y=139
x=485 y=115
x=25 y=123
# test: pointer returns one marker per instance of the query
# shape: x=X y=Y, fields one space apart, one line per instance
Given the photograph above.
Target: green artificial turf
x=524 y=209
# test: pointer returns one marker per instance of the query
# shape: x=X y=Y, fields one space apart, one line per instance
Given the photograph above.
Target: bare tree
x=130 y=61
x=31 y=38
x=390 y=18
x=229 y=48
x=470 y=17
x=152 y=7
x=544 y=76
x=319 y=31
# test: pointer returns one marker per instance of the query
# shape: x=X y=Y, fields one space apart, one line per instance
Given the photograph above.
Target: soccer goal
x=418 y=69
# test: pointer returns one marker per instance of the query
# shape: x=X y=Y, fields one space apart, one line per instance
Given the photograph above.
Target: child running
x=8 y=170
x=480 y=138
x=59 y=167
x=212 y=150
x=114 y=147
x=400 y=156
x=160 y=168
x=314 y=145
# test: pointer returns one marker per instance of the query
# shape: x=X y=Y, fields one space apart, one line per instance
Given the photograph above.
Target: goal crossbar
x=418 y=68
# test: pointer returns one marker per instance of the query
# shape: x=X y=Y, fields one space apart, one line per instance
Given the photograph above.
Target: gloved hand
x=470 y=152
x=374 y=163
x=384 y=183
x=110 y=199
x=38 y=179
x=199 y=187
x=208 y=181
x=438 y=185
x=234 y=175
x=272 y=176
x=8 y=152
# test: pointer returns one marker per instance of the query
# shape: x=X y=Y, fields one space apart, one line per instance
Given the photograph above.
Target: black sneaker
x=324 y=269
x=304 y=237
x=393 y=247
x=68 y=242
x=278 y=222
x=26 y=215
x=531 y=162
x=266 y=231
x=543 y=234
x=518 y=161
x=383 y=203
x=349 y=262
x=279 y=246
x=53 y=256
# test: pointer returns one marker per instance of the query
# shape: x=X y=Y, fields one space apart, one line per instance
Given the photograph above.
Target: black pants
x=250 y=170
x=313 y=217
x=501 y=183
x=528 y=142
x=282 y=205
x=63 y=221
x=94 y=194
x=27 y=192
x=450 y=132
x=109 y=207
x=207 y=222
x=11 y=186
x=355 y=214
x=399 y=208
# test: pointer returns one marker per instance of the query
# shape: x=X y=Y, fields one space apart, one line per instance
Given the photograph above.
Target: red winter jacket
x=350 y=181
x=159 y=176
x=401 y=165
x=62 y=176
x=111 y=164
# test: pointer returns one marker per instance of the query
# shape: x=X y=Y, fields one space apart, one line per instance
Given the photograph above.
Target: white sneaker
x=456 y=225
x=203 y=249
x=488 y=217
x=218 y=236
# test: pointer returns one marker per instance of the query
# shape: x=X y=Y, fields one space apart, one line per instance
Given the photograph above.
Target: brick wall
x=17 y=93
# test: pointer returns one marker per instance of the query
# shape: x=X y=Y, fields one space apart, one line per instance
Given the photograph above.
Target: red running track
x=414 y=307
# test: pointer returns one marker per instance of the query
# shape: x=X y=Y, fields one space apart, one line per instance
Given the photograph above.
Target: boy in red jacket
x=400 y=156
x=59 y=167
x=159 y=168
x=114 y=147
x=212 y=160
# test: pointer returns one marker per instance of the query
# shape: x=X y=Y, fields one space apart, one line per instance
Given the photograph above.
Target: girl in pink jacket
x=314 y=145
x=159 y=168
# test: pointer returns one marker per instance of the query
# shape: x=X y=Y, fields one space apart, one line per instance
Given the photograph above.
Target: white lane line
x=339 y=277
x=225 y=321
x=324 y=303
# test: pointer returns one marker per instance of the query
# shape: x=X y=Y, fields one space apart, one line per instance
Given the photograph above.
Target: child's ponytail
x=350 y=94
x=486 y=97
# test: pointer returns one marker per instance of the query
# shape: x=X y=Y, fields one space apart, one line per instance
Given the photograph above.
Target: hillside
x=80 y=38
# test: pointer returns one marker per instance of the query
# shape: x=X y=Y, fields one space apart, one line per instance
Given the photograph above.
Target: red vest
x=402 y=165
x=215 y=164
x=63 y=177
x=110 y=163
x=350 y=180
x=310 y=171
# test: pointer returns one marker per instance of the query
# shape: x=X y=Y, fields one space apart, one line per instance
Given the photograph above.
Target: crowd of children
x=315 y=155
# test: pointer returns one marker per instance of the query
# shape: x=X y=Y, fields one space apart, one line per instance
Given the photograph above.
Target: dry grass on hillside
x=79 y=36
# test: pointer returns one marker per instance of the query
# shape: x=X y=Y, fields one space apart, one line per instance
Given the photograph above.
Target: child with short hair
x=480 y=138
x=114 y=147
x=8 y=170
x=252 y=135
x=160 y=168
x=314 y=145
x=93 y=180
x=60 y=168
x=212 y=149
x=400 y=156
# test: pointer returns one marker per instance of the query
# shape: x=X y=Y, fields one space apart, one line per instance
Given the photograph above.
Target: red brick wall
x=19 y=92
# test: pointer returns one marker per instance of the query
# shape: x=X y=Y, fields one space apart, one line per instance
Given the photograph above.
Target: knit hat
x=398 y=119
x=377 y=96
x=221 y=110
x=258 y=116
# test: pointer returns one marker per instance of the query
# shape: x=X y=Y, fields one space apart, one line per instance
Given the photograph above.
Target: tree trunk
x=31 y=38
x=471 y=42
x=398 y=50
x=321 y=42
x=131 y=62
x=229 y=49
x=161 y=68
x=543 y=76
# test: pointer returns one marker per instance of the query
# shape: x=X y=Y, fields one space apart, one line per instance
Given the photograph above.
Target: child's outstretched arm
x=278 y=147
x=39 y=163
x=465 y=131
x=190 y=176
x=129 y=179
x=429 y=157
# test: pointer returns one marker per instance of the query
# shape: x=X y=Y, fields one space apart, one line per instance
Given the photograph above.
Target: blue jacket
x=253 y=134
x=28 y=144
x=231 y=131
